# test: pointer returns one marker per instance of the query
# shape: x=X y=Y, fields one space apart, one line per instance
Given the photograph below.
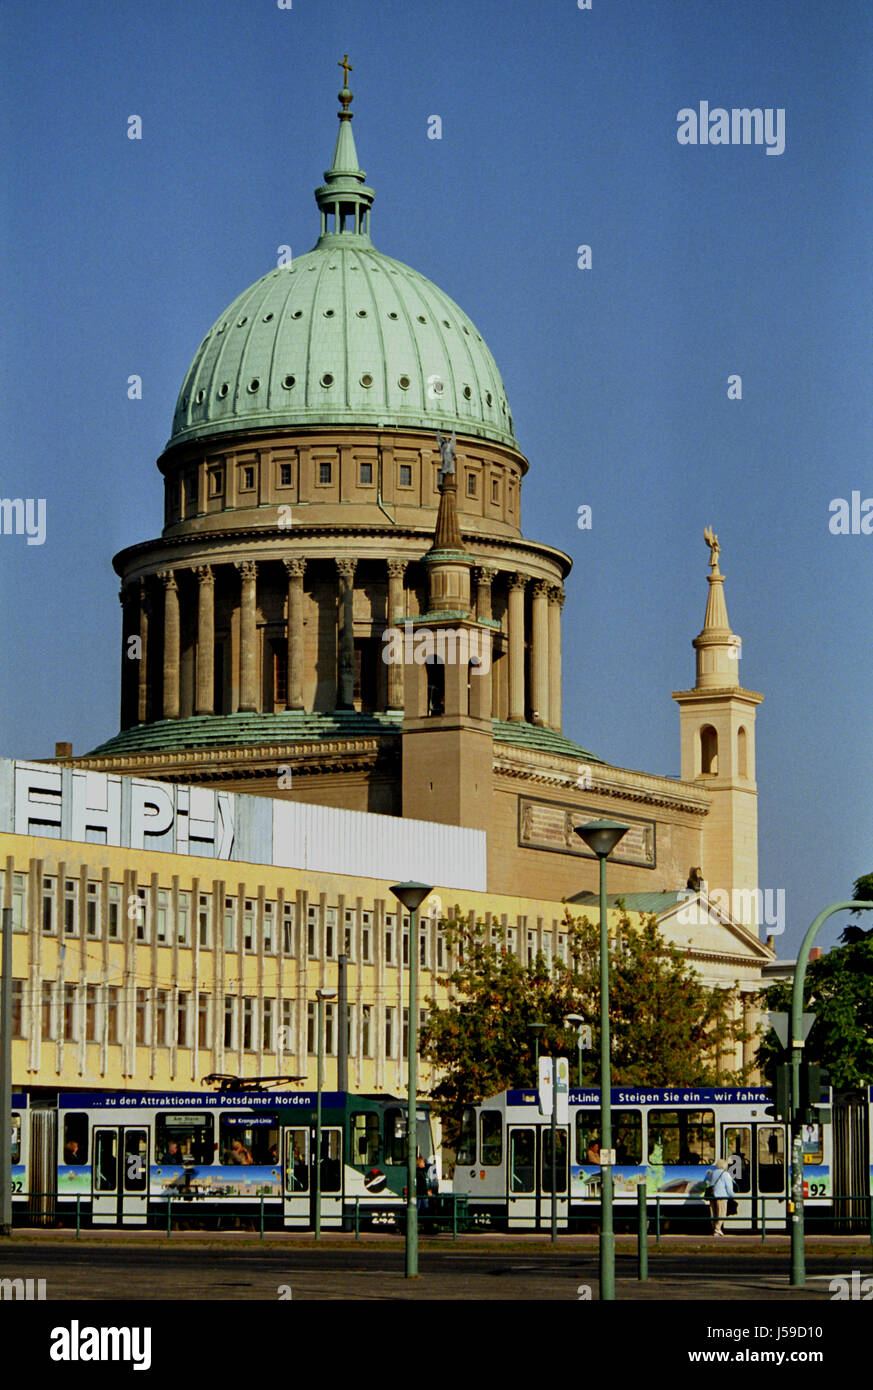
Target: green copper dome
x=343 y=336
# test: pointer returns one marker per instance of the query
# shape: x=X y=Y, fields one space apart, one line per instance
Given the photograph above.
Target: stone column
x=248 y=698
x=171 y=644
x=556 y=603
x=295 y=570
x=131 y=652
x=142 y=699
x=485 y=577
x=540 y=652
x=204 y=698
x=516 y=646
x=346 y=674
x=396 y=571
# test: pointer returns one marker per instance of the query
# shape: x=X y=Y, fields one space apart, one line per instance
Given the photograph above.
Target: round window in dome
x=288 y=383
x=184 y=402
x=367 y=380
x=200 y=395
x=421 y=318
x=446 y=323
x=392 y=314
x=222 y=390
x=254 y=385
x=403 y=383
x=298 y=314
x=488 y=397
x=266 y=318
x=328 y=313
x=222 y=328
x=468 y=394
x=362 y=313
x=327 y=379
x=244 y=319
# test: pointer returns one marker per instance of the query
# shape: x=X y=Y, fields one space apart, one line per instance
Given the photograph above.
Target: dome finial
x=345 y=95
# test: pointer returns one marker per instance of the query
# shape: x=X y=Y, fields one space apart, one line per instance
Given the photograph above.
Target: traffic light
x=781 y=1110
x=814 y=1083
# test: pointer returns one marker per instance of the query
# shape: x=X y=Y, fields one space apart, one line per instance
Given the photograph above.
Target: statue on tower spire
x=714 y=547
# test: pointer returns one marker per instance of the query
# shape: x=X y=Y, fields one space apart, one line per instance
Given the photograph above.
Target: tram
x=121 y=1158
x=667 y=1139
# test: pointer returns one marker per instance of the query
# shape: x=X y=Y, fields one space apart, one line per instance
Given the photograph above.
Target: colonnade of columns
x=140 y=600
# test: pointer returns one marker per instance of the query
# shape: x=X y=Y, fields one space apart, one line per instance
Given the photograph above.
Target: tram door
x=556 y=1169
x=521 y=1177
x=736 y=1147
x=331 y=1177
x=120 y=1175
x=296 y=1199
x=756 y=1161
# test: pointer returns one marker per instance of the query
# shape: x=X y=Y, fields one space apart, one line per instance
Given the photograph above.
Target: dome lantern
x=344 y=196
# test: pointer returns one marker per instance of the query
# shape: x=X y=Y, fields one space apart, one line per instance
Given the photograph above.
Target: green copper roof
x=343 y=335
x=204 y=731
x=634 y=902
x=546 y=740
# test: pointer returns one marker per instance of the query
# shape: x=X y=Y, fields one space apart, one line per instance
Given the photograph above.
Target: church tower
x=717 y=723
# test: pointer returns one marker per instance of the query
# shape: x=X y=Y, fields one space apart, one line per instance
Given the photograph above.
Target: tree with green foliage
x=838 y=989
x=862 y=892
x=668 y=1028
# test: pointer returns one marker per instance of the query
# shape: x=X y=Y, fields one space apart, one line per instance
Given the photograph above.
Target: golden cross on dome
x=347 y=68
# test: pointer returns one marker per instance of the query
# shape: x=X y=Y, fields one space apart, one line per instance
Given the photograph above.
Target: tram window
x=560 y=1159
x=75 y=1139
x=106 y=1160
x=467 y=1137
x=297 y=1159
x=771 y=1158
x=365 y=1138
x=331 y=1160
x=813 y=1152
x=685 y=1136
x=491 y=1138
x=16 y=1137
x=248 y=1139
x=521 y=1160
x=737 y=1151
x=627 y=1136
x=395 y=1135
x=183 y=1138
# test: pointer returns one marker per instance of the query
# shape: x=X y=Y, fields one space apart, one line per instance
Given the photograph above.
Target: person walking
x=721 y=1188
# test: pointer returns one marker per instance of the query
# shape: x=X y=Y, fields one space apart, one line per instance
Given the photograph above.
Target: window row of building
x=93 y=1013
x=73 y=907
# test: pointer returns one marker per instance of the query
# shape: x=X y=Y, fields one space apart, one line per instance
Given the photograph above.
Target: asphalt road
x=340 y=1269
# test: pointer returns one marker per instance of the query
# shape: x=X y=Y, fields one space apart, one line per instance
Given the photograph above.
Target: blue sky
x=559 y=128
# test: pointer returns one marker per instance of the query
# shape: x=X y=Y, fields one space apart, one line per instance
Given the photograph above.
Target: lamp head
x=412 y=895
x=601 y=836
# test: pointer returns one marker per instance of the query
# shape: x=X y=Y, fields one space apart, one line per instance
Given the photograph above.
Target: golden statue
x=714 y=547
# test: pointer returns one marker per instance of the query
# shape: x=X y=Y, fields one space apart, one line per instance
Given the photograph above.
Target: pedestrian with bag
x=719 y=1192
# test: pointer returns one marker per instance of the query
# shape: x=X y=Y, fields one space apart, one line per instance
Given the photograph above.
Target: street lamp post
x=321 y=995
x=536 y=1029
x=411 y=895
x=602 y=836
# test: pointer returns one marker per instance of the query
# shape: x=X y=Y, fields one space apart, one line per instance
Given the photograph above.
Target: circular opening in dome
x=392 y=314
x=421 y=318
x=446 y=323
x=488 y=397
x=327 y=379
x=288 y=382
x=267 y=317
x=298 y=314
x=240 y=322
x=362 y=313
x=468 y=394
x=222 y=390
x=466 y=329
x=328 y=313
x=367 y=380
x=184 y=402
x=254 y=384
x=222 y=328
x=403 y=383
x=200 y=395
